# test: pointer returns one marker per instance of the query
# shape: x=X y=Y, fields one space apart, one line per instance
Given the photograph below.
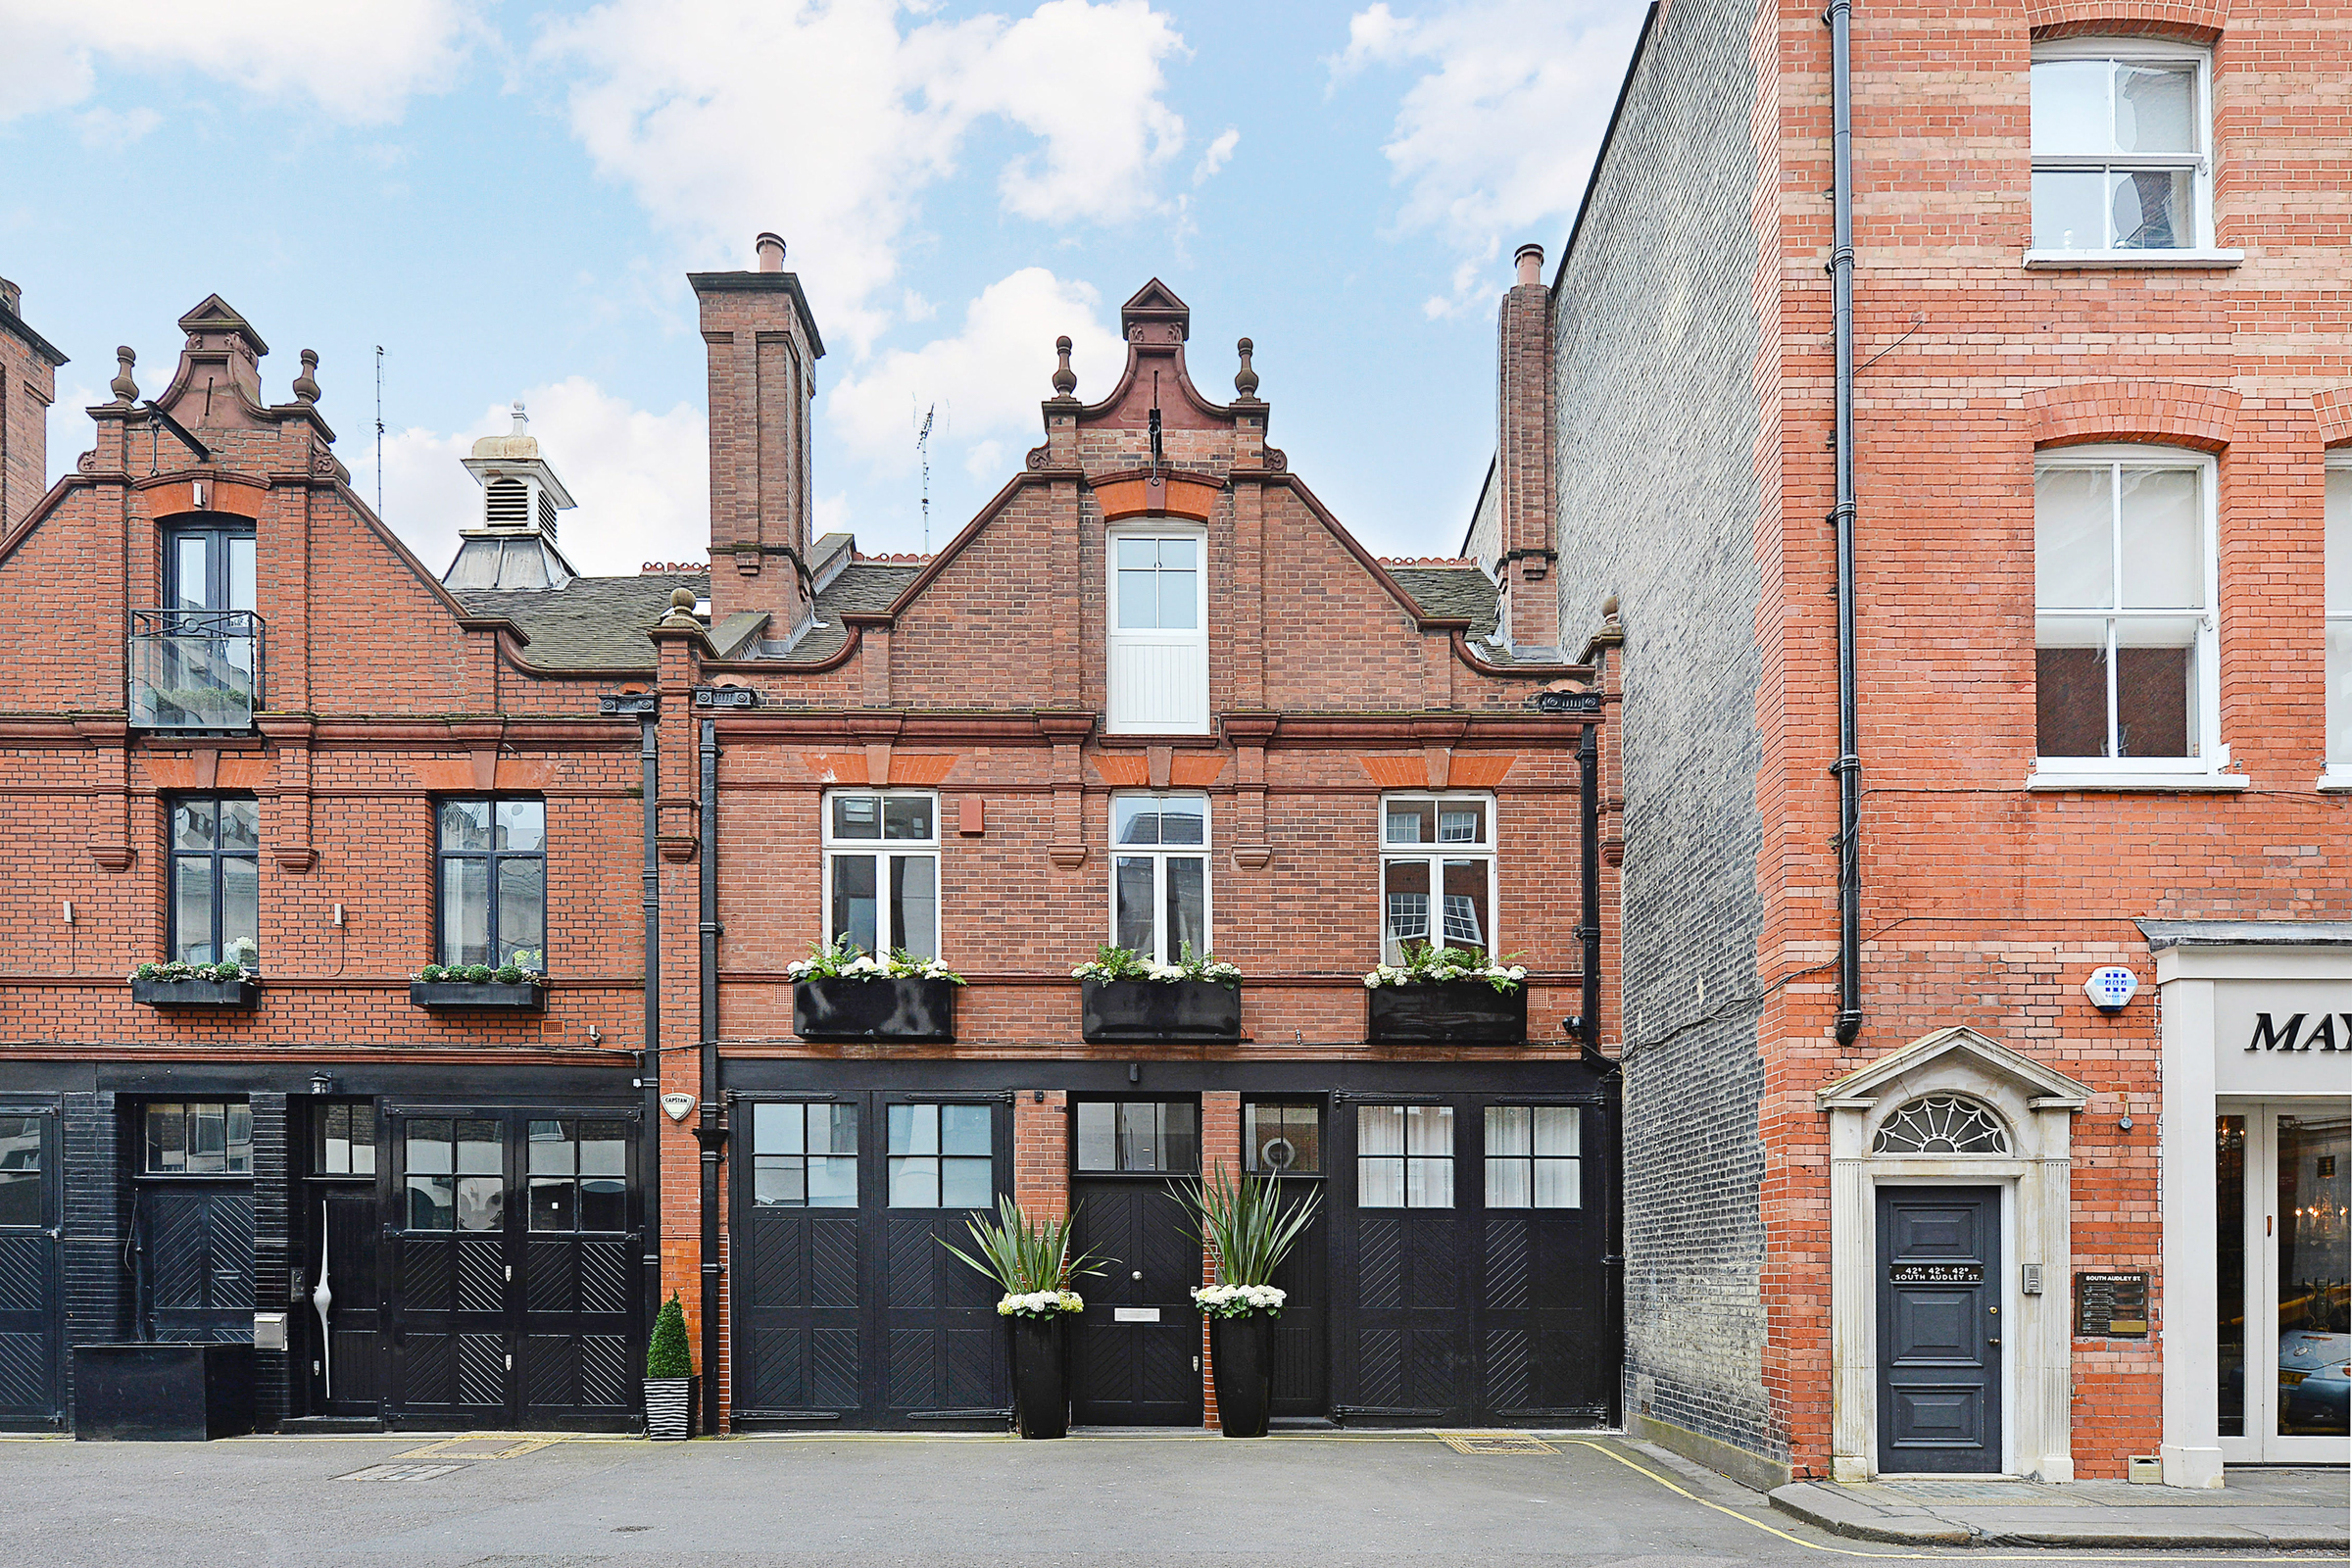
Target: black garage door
x=846 y=1308
x=29 y=1219
x=1468 y=1239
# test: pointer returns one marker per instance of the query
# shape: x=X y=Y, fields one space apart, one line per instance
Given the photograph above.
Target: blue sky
x=508 y=198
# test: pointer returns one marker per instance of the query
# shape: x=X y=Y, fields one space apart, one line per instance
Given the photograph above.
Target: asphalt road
x=875 y=1499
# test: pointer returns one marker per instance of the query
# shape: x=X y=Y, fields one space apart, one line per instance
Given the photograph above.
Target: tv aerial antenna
x=379 y=430
x=934 y=421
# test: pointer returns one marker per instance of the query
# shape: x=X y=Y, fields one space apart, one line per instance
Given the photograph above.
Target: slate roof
x=1451 y=593
x=591 y=622
x=863 y=588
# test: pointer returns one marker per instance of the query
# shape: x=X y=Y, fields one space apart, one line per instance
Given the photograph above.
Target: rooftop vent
x=514 y=547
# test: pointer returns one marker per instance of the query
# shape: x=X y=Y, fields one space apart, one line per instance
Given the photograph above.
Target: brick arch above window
x=2171 y=414
x=2333 y=409
x=2194 y=20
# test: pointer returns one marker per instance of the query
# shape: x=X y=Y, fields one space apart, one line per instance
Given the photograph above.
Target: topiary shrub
x=668 y=1356
x=510 y=976
x=479 y=973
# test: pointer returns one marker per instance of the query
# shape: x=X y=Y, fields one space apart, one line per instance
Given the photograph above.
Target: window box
x=1454 y=1012
x=1158 y=1009
x=838 y=1007
x=192 y=993
x=484 y=996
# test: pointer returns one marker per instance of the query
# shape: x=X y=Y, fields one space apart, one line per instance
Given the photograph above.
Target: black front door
x=512 y=1298
x=1284 y=1139
x=1135 y=1351
x=29 y=1392
x=1940 y=1330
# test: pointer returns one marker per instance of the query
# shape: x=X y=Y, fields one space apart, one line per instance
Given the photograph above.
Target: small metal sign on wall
x=2112 y=1306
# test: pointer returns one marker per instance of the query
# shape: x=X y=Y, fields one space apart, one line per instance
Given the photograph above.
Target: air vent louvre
x=507 y=503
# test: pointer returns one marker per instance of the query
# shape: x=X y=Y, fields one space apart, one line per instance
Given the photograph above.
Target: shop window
x=2121 y=137
x=1158 y=639
x=1140 y=1136
x=1160 y=875
x=456 y=1171
x=1283 y=1140
x=1405 y=1156
x=1941 y=1124
x=2124 y=630
x=1437 y=873
x=942 y=1156
x=882 y=872
x=2339 y=592
x=346 y=1145
x=579 y=1175
x=493 y=883
x=1534 y=1157
x=200 y=1137
x=20 y=1170
x=804 y=1155
x=215 y=913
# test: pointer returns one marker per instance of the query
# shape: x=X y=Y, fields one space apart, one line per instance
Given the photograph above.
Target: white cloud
x=642 y=479
x=353 y=60
x=105 y=130
x=988 y=378
x=1215 y=156
x=827 y=121
x=1495 y=135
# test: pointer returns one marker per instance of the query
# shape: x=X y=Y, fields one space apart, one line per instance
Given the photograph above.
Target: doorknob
x=1992 y=1342
x=1138 y=1274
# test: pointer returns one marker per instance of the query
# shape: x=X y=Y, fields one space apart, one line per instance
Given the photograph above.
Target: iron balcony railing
x=195 y=668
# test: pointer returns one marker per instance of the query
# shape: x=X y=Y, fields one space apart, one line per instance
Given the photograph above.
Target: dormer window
x=1158 y=633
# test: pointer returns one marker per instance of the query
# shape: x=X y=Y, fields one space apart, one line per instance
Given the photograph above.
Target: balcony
x=195 y=670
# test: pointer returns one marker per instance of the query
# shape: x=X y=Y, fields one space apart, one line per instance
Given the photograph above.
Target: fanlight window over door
x=1941 y=1124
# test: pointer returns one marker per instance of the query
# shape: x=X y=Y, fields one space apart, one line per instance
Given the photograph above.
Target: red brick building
x=2020 y=591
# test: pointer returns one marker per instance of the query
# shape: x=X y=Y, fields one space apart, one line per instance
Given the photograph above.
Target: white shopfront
x=2257 y=1039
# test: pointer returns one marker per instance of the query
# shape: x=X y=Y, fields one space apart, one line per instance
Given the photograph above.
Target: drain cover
x=1495 y=1443
x=401 y=1472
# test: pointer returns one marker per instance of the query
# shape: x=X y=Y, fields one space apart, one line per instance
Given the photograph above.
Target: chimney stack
x=1524 y=456
x=763 y=347
x=27 y=386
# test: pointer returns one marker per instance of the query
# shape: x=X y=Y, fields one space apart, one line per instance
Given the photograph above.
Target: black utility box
x=162 y=1393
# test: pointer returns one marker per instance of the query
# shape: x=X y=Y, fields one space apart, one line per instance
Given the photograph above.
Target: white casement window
x=1437 y=872
x=882 y=870
x=2339 y=591
x=1157 y=634
x=1160 y=875
x=2123 y=149
x=1405 y=1156
x=2126 y=686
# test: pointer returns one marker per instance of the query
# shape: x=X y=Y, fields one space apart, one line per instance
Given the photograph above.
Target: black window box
x=162 y=1393
x=486 y=995
x=1158 y=1009
x=1453 y=1012
x=192 y=993
x=837 y=1007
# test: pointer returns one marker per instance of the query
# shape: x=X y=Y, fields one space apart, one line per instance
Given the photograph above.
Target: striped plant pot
x=669 y=1409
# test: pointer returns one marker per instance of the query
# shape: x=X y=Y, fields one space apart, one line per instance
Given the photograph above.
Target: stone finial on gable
x=1155 y=315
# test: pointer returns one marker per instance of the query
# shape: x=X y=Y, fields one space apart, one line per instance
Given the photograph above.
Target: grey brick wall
x=1656 y=333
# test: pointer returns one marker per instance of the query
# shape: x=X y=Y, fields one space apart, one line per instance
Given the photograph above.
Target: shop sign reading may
x=2268 y=1034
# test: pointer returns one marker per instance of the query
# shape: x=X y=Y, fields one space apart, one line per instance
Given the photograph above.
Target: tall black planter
x=1241 y=1360
x=1041 y=1381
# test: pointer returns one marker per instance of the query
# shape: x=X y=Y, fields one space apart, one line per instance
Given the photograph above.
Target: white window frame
x=879 y=850
x=2208 y=771
x=1433 y=854
x=1160 y=855
x=2200 y=252
x=2337 y=770
x=1117 y=640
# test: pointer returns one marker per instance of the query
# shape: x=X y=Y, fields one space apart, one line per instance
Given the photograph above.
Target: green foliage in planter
x=510 y=976
x=666 y=1354
x=1248 y=1223
x=480 y=974
x=1025 y=1256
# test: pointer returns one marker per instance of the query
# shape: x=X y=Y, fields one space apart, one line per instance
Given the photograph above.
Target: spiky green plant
x=666 y=1355
x=1248 y=1222
x=1025 y=1256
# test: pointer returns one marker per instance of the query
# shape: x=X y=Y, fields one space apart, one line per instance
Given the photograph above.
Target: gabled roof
x=590 y=623
x=2044 y=1088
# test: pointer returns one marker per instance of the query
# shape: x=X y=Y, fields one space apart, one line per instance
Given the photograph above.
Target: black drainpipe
x=1848 y=766
x=1588 y=1025
x=649 y=1182
x=1588 y=930
x=708 y=1130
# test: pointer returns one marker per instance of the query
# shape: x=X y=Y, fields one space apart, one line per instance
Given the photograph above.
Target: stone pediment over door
x=1956 y=1060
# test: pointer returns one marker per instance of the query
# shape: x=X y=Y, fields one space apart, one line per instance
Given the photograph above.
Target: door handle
x=1992 y=1342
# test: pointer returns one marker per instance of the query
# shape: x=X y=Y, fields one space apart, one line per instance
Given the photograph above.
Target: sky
x=506 y=199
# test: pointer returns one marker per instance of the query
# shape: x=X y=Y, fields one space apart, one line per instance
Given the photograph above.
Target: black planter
x=1454 y=1012
x=842 y=1008
x=196 y=993
x=162 y=1393
x=1159 y=1009
x=1241 y=1361
x=669 y=1407
x=1041 y=1381
x=489 y=996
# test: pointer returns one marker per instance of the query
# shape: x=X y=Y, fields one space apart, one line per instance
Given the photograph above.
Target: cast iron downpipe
x=708 y=1131
x=1848 y=766
x=1588 y=792
x=649 y=758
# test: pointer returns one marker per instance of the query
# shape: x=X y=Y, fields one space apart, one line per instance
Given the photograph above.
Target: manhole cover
x=1495 y=1443
x=491 y=1445
x=401 y=1472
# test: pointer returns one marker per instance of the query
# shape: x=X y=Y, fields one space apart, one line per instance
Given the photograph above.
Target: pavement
x=2258 y=1508
x=1135 y=1500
